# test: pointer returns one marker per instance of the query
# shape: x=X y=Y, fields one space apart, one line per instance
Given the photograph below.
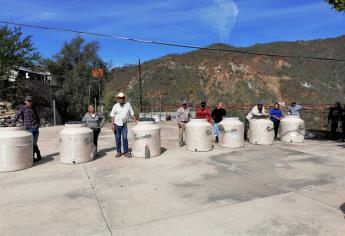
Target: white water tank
x=231 y=133
x=146 y=134
x=292 y=129
x=15 y=149
x=76 y=144
x=261 y=131
x=199 y=135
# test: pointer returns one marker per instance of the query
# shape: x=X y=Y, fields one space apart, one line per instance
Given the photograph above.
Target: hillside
x=240 y=78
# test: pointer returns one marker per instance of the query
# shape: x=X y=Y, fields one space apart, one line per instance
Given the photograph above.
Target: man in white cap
x=182 y=117
x=120 y=114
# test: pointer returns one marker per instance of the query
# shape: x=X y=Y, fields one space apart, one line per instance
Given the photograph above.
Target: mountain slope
x=240 y=78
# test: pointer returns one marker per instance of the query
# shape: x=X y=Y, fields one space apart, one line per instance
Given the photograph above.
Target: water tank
x=231 y=133
x=15 y=149
x=292 y=129
x=146 y=136
x=199 y=135
x=261 y=131
x=76 y=144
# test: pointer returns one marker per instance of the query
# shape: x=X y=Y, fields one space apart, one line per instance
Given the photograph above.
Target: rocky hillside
x=240 y=78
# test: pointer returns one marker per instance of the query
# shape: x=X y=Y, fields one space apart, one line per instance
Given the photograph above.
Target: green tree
x=339 y=5
x=15 y=51
x=71 y=68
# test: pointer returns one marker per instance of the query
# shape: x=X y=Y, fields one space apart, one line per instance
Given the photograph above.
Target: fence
x=314 y=115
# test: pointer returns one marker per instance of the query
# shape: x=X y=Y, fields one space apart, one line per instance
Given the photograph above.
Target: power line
x=119 y=37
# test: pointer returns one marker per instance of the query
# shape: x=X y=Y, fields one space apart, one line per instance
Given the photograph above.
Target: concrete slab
x=286 y=214
x=282 y=189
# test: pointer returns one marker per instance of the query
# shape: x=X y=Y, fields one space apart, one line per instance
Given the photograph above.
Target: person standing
x=203 y=112
x=217 y=116
x=120 y=114
x=182 y=117
x=334 y=116
x=294 y=109
x=31 y=120
x=276 y=115
x=94 y=121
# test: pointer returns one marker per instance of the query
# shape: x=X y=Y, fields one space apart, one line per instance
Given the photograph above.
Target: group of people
x=183 y=116
x=274 y=113
x=122 y=113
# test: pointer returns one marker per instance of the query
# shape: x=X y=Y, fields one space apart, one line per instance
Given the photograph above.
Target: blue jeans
x=216 y=129
x=35 y=133
x=121 y=131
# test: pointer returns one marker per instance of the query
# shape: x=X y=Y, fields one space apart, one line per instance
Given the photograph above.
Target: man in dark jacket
x=31 y=120
x=217 y=116
x=334 y=116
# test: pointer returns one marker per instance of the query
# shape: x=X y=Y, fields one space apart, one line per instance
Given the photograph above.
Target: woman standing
x=94 y=121
x=276 y=115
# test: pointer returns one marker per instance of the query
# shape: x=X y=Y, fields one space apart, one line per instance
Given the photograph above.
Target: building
x=26 y=73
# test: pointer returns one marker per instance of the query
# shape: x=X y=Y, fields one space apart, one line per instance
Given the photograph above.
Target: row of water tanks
x=76 y=144
x=231 y=132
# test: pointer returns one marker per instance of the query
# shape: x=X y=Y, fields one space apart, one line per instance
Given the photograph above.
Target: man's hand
x=113 y=126
x=179 y=125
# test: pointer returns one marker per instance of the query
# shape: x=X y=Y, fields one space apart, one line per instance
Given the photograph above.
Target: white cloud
x=221 y=17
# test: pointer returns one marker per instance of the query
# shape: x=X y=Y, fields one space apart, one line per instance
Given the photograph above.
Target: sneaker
x=35 y=159
x=128 y=155
x=181 y=144
x=118 y=155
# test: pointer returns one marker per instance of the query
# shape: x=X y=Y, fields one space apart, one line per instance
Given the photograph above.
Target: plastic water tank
x=199 y=135
x=76 y=144
x=231 y=133
x=15 y=149
x=292 y=129
x=261 y=131
x=146 y=134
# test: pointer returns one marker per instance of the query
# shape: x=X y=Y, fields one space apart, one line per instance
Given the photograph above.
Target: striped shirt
x=29 y=116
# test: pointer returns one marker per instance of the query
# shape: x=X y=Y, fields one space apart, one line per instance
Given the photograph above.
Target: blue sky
x=198 y=22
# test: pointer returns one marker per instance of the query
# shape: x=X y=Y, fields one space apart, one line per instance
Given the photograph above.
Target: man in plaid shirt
x=31 y=121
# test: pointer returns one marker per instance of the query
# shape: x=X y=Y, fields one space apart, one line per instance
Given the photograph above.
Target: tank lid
x=231 y=118
x=75 y=124
x=198 y=120
x=145 y=122
x=146 y=119
x=6 y=129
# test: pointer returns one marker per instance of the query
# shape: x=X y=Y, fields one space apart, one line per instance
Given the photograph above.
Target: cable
x=169 y=43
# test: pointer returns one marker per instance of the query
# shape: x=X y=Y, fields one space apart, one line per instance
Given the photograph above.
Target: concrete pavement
x=284 y=189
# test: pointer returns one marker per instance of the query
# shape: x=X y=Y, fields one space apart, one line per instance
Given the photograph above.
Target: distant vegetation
x=339 y=5
x=71 y=69
x=239 y=78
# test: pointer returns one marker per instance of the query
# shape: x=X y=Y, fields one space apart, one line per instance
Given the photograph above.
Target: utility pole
x=140 y=89
x=89 y=90
x=54 y=112
x=95 y=104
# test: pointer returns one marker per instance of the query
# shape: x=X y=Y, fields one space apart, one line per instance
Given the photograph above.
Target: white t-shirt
x=121 y=114
x=255 y=113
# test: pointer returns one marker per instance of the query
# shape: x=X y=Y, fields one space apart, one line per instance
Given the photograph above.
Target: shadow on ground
x=46 y=159
x=103 y=152
x=342 y=207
